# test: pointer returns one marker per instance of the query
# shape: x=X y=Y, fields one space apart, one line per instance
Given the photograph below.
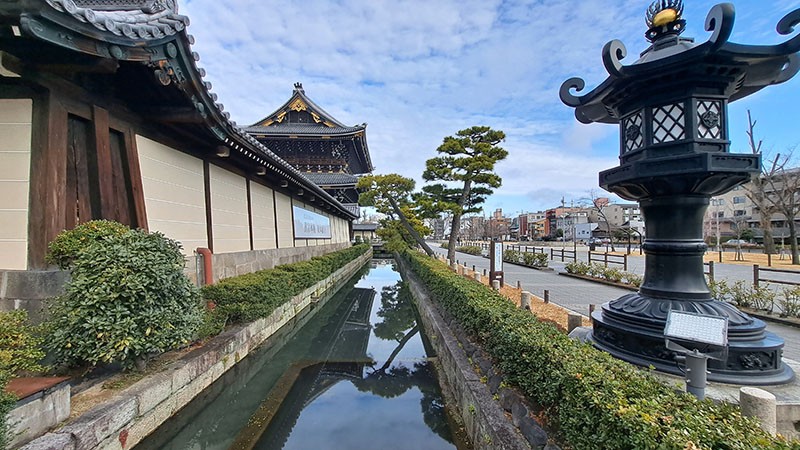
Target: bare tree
x=757 y=189
x=783 y=193
x=598 y=205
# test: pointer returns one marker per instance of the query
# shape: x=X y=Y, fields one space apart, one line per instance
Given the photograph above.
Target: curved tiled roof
x=152 y=19
x=332 y=179
x=303 y=129
x=152 y=32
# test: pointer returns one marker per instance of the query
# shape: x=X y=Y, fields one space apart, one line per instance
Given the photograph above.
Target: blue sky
x=417 y=71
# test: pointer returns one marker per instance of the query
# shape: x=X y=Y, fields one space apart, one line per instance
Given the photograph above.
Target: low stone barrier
x=140 y=409
x=494 y=416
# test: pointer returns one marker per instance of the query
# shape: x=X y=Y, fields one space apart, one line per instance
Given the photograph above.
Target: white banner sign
x=310 y=225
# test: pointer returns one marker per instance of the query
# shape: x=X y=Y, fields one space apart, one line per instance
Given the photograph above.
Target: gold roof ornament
x=663 y=18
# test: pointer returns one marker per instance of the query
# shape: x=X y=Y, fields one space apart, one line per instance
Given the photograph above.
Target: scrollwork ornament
x=566 y=96
x=613 y=53
x=720 y=22
x=787 y=26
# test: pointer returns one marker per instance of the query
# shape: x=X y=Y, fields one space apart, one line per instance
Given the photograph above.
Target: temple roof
x=143 y=47
x=321 y=120
x=332 y=179
x=303 y=129
x=300 y=118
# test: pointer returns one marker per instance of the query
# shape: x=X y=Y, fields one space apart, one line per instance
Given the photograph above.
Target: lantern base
x=631 y=328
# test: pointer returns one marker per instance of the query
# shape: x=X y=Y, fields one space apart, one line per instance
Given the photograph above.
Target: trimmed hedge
x=470 y=250
x=255 y=295
x=594 y=400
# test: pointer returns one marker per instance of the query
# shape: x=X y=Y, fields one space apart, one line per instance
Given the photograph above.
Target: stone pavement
x=577 y=295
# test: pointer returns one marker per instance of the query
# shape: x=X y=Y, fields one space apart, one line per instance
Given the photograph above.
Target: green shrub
x=254 y=295
x=444 y=245
x=20 y=353
x=127 y=298
x=790 y=303
x=612 y=274
x=20 y=347
x=535 y=259
x=632 y=279
x=577 y=267
x=596 y=401
x=7 y=403
x=470 y=250
x=68 y=244
x=511 y=256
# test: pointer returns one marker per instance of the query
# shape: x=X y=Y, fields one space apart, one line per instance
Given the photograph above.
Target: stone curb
x=494 y=416
x=770 y=318
x=595 y=280
x=140 y=409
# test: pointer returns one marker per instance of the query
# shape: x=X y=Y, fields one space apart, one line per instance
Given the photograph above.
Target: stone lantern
x=671 y=106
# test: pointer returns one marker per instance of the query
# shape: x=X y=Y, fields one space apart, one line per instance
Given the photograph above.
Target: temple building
x=326 y=151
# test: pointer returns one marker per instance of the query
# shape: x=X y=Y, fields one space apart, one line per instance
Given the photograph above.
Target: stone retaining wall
x=494 y=416
x=140 y=409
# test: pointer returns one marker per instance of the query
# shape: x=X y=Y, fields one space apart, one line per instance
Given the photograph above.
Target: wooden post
x=711 y=271
x=573 y=321
x=625 y=263
x=769 y=259
x=546 y=296
x=755 y=275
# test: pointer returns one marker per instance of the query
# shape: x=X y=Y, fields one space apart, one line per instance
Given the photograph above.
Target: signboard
x=496 y=261
x=310 y=225
x=498 y=256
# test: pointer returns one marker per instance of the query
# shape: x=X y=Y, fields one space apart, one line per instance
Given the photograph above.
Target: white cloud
x=417 y=71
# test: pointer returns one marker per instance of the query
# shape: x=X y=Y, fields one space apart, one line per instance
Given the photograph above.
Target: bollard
x=546 y=296
x=473 y=267
x=519 y=284
x=760 y=404
x=573 y=321
x=591 y=310
x=496 y=285
x=484 y=272
x=477 y=277
x=525 y=302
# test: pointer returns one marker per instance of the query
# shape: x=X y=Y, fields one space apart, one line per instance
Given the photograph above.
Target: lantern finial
x=663 y=18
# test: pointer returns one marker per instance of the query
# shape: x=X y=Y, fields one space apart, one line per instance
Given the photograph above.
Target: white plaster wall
x=283 y=206
x=15 y=167
x=174 y=193
x=229 y=211
x=263 y=210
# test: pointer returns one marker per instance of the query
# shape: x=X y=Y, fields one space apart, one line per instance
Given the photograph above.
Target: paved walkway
x=577 y=295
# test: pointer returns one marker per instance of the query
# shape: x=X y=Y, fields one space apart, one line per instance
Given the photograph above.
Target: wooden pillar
x=46 y=217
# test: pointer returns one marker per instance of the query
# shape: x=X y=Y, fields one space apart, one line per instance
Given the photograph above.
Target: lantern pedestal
x=631 y=327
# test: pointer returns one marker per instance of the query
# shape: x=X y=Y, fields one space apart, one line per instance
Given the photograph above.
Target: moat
x=357 y=372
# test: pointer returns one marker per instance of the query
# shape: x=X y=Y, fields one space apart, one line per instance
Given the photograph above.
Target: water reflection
x=357 y=375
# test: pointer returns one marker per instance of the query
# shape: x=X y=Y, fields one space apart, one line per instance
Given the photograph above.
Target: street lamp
x=671 y=107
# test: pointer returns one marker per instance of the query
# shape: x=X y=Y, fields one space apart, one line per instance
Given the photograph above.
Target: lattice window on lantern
x=709 y=119
x=668 y=123
x=632 y=132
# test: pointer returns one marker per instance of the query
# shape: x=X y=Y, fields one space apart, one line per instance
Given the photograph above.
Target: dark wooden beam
x=105 y=169
x=137 y=190
x=173 y=114
x=47 y=215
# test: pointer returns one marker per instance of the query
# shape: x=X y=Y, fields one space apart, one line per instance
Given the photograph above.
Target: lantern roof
x=740 y=69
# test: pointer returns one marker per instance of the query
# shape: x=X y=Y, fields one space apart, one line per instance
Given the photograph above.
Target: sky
x=417 y=71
